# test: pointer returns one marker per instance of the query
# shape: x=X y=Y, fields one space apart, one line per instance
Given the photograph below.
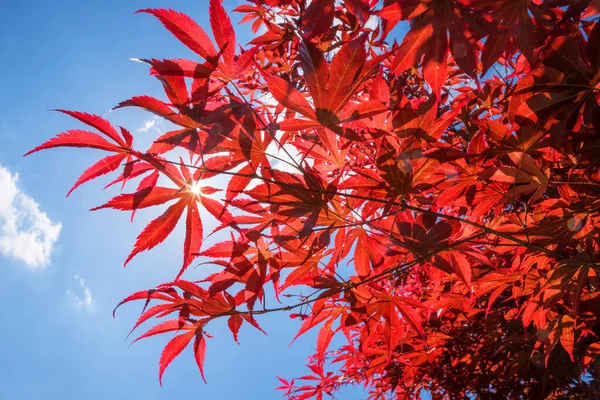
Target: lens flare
x=196 y=188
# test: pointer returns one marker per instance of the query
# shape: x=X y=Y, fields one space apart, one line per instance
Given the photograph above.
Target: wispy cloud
x=153 y=124
x=26 y=233
x=86 y=300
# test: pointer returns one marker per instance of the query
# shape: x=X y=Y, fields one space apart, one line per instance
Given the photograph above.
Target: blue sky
x=61 y=266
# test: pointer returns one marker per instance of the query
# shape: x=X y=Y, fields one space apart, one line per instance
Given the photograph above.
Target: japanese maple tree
x=428 y=190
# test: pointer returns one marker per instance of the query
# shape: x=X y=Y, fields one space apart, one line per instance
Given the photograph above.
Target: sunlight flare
x=196 y=188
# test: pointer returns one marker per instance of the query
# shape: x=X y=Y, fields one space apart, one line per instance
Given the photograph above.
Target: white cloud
x=26 y=233
x=87 y=301
x=152 y=124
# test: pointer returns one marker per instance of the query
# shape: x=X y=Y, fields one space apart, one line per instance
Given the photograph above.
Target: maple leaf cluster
x=436 y=192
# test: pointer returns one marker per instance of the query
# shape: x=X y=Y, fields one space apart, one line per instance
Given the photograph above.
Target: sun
x=196 y=188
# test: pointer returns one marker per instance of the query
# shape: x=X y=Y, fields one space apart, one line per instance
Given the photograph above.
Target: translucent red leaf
x=193 y=236
x=200 y=352
x=172 y=350
x=96 y=122
x=311 y=322
x=412 y=48
x=127 y=136
x=435 y=61
x=102 y=167
x=238 y=183
x=139 y=168
x=186 y=30
x=223 y=31
x=592 y=353
x=169 y=140
x=409 y=315
x=77 y=138
x=175 y=89
x=164 y=327
x=567 y=334
x=147 y=197
x=180 y=67
x=250 y=319
x=222 y=249
x=343 y=71
x=299 y=273
x=463 y=268
x=157 y=310
x=525 y=35
x=166 y=294
x=316 y=72
x=494 y=47
x=217 y=209
x=318 y=18
x=288 y=96
x=159 y=108
x=463 y=47
x=235 y=322
x=324 y=339
x=295 y=124
x=244 y=61
x=477 y=145
x=364 y=109
x=401 y=10
x=157 y=230
x=362 y=264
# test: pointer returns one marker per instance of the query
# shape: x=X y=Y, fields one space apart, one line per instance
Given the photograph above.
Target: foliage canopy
x=438 y=198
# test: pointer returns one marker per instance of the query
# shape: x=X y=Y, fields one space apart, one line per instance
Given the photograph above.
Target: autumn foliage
x=418 y=177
